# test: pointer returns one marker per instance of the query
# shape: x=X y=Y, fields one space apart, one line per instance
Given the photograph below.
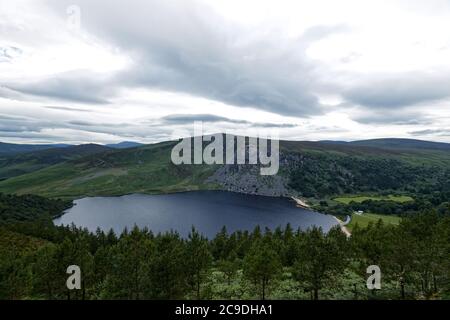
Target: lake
x=208 y=211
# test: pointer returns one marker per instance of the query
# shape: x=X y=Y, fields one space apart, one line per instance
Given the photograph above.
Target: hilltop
x=13 y=148
x=395 y=143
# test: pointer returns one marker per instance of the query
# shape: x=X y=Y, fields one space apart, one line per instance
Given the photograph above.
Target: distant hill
x=395 y=143
x=124 y=145
x=12 y=148
x=12 y=165
x=310 y=169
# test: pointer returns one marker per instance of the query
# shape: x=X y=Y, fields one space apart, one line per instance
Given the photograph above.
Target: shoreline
x=343 y=228
x=300 y=203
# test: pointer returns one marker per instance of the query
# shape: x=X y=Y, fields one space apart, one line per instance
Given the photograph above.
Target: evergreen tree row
x=414 y=258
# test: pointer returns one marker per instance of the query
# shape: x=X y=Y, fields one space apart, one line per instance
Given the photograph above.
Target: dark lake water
x=208 y=211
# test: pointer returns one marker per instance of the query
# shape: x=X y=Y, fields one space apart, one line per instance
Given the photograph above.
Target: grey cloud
x=274 y=125
x=129 y=130
x=189 y=118
x=96 y=124
x=393 y=117
x=31 y=135
x=8 y=93
x=24 y=127
x=439 y=132
x=33 y=128
x=79 y=85
x=9 y=53
x=11 y=118
x=67 y=109
x=21 y=124
x=81 y=123
x=400 y=90
x=185 y=47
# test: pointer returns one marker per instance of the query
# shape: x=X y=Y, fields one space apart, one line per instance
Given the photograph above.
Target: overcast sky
x=108 y=70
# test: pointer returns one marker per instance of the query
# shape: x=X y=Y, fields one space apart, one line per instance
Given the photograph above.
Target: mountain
x=144 y=169
x=124 y=145
x=395 y=143
x=13 y=148
x=309 y=169
x=12 y=165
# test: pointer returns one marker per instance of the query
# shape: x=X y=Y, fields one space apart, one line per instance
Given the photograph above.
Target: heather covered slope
x=146 y=169
x=18 y=164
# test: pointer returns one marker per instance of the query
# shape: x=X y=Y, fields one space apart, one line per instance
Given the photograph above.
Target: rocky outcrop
x=246 y=178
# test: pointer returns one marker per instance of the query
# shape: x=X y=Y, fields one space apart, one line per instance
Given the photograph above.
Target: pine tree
x=262 y=265
x=199 y=259
x=321 y=259
x=45 y=270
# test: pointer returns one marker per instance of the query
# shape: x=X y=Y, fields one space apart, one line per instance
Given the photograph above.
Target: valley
x=403 y=194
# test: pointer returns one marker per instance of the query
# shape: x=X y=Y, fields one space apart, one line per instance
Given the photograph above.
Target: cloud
x=274 y=125
x=399 y=90
x=11 y=118
x=21 y=127
x=195 y=60
x=393 y=116
x=9 y=53
x=33 y=136
x=78 y=85
x=184 y=46
x=190 y=118
x=67 y=109
x=37 y=128
x=427 y=132
x=83 y=123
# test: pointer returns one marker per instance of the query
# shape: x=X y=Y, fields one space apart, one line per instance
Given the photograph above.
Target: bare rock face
x=247 y=179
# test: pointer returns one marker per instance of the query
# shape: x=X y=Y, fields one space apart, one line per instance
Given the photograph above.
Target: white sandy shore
x=300 y=203
x=343 y=228
x=303 y=204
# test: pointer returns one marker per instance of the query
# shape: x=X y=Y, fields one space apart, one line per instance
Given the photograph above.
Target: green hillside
x=395 y=143
x=18 y=164
x=14 y=148
x=146 y=169
x=309 y=169
x=30 y=207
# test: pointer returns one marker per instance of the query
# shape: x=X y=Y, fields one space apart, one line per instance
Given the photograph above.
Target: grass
x=359 y=199
x=142 y=170
x=364 y=219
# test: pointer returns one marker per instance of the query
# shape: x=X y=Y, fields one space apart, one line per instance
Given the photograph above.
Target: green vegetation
x=279 y=264
x=139 y=170
x=366 y=218
x=29 y=208
x=18 y=243
x=12 y=165
x=325 y=175
x=359 y=199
